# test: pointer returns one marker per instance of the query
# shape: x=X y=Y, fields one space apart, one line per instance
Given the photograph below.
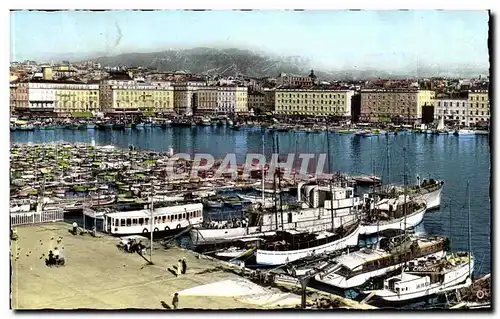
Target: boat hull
x=457 y=278
x=411 y=221
x=432 y=199
x=268 y=257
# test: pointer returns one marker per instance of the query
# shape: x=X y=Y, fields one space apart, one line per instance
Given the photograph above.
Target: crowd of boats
x=310 y=228
x=148 y=123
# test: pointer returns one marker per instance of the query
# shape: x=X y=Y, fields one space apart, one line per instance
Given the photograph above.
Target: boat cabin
x=314 y=196
x=164 y=219
x=407 y=283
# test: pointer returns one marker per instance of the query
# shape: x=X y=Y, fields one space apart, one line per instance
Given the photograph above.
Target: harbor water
x=446 y=157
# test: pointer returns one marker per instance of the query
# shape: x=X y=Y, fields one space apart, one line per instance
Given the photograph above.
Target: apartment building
x=63 y=99
x=269 y=99
x=256 y=100
x=129 y=96
x=454 y=110
x=19 y=100
x=206 y=100
x=313 y=102
x=478 y=111
x=394 y=105
x=184 y=96
x=232 y=99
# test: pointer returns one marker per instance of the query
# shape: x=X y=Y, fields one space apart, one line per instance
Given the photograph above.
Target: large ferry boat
x=317 y=204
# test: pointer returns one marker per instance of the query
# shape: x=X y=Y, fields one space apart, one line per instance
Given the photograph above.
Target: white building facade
x=454 y=110
x=42 y=96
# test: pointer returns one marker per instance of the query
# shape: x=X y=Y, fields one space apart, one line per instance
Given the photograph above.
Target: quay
x=98 y=275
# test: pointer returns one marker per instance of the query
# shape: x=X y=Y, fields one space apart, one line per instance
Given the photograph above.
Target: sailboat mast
x=405 y=187
x=404 y=204
x=468 y=226
x=387 y=159
x=274 y=186
x=330 y=178
x=152 y=225
x=279 y=183
x=263 y=177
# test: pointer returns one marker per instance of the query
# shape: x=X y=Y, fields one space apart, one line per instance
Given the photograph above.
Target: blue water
x=452 y=159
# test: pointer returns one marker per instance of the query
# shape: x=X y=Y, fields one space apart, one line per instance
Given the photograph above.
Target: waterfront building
x=478 y=111
x=55 y=98
x=454 y=110
x=394 y=105
x=256 y=100
x=269 y=99
x=184 y=96
x=76 y=99
x=132 y=97
x=19 y=100
x=313 y=102
x=206 y=100
x=232 y=100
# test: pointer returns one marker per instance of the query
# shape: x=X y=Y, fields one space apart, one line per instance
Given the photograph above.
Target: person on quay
x=179 y=268
x=175 y=301
x=184 y=266
x=75 y=227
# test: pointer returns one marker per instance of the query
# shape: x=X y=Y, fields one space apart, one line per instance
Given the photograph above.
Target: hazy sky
x=336 y=39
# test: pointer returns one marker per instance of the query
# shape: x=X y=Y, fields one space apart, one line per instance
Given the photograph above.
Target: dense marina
x=115 y=188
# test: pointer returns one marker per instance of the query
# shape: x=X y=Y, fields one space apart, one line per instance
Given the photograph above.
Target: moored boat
x=290 y=246
x=357 y=268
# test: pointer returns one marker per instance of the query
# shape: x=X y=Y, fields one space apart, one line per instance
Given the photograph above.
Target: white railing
x=48 y=216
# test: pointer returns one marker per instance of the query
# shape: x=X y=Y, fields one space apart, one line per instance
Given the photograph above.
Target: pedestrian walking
x=75 y=226
x=179 y=268
x=175 y=301
x=184 y=266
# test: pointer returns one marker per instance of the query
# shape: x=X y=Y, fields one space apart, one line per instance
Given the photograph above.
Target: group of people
x=54 y=258
x=223 y=224
x=181 y=267
x=132 y=246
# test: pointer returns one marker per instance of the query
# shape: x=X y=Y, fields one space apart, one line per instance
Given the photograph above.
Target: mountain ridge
x=234 y=61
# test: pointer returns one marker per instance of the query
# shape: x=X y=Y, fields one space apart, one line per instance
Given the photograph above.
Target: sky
x=333 y=39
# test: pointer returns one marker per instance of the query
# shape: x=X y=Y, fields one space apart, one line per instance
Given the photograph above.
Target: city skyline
x=393 y=40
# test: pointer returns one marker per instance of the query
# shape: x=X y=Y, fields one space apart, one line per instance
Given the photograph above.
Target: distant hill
x=207 y=61
x=231 y=62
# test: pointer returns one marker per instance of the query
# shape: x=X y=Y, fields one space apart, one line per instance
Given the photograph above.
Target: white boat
x=451 y=273
x=318 y=217
x=481 y=132
x=356 y=268
x=277 y=257
x=391 y=208
x=165 y=219
x=428 y=191
x=464 y=132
